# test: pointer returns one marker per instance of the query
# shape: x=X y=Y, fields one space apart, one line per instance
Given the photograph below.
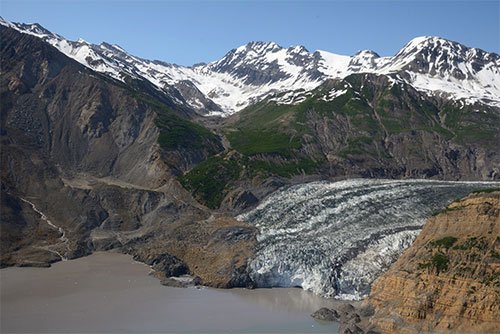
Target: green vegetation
x=440 y=262
x=262 y=115
x=489 y=190
x=269 y=138
x=208 y=180
x=472 y=242
x=494 y=254
x=350 y=103
x=177 y=132
x=251 y=142
x=403 y=114
x=445 y=242
x=447 y=209
x=269 y=128
x=284 y=140
x=265 y=168
x=492 y=278
x=469 y=124
x=357 y=146
x=424 y=265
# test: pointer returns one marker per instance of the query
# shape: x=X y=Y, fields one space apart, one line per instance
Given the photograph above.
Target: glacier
x=336 y=238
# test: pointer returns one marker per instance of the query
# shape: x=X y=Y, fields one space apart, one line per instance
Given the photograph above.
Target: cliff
x=448 y=281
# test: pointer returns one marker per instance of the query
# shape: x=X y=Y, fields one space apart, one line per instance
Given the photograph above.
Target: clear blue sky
x=187 y=32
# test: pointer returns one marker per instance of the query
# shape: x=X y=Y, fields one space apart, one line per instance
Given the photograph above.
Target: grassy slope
x=272 y=138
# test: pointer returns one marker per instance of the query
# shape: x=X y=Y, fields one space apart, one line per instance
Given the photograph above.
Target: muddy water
x=108 y=292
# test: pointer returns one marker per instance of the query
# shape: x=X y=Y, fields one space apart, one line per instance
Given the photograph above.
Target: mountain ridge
x=251 y=72
x=98 y=158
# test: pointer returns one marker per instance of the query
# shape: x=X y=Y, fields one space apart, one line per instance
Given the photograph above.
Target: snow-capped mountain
x=249 y=73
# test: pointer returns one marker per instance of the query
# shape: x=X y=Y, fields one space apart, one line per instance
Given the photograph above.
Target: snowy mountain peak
x=30 y=28
x=255 y=48
x=263 y=46
x=435 y=63
x=363 y=61
x=261 y=49
x=366 y=54
x=297 y=50
x=263 y=63
x=252 y=71
x=415 y=43
x=114 y=48
x=430 y=46
x=36 y=28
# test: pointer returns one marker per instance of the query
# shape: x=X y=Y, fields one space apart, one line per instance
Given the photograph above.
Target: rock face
x=448 y=281
x=89 y=163
x=353 y=320
x=164 y=263
x=325 y=314
x=216 y=250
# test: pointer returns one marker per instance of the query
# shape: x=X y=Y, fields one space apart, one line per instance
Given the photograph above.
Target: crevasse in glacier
x=335 y=238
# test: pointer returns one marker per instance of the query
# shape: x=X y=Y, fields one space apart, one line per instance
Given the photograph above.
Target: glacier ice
x=335 y=238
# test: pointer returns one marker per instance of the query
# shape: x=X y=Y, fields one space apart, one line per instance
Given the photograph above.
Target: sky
x=189 y=32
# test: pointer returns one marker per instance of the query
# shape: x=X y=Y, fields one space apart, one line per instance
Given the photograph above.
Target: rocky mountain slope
x=429 y=111
x=448 y=281
x=245 y=75
x=365 y=125
x=89 y=163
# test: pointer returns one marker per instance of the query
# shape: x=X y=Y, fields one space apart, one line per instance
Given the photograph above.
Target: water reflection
x=287 y=299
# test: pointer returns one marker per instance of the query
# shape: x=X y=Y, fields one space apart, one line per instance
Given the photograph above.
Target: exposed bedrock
x=448 y=280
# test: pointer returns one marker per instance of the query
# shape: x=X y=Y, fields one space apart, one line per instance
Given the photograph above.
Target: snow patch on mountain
x=333 y=94
x=333 y=65
x=293 y=97
x=253 y=71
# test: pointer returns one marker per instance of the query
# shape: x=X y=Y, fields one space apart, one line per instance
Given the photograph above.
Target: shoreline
x=184 y=278
x=110 y=292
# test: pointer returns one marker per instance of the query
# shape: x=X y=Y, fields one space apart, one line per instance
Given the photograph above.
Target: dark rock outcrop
x=325 y=314
x=164 y=263
x=215 y=250
x=353 y=320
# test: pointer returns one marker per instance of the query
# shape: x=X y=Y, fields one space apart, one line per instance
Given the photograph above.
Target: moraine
x=335 y=238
